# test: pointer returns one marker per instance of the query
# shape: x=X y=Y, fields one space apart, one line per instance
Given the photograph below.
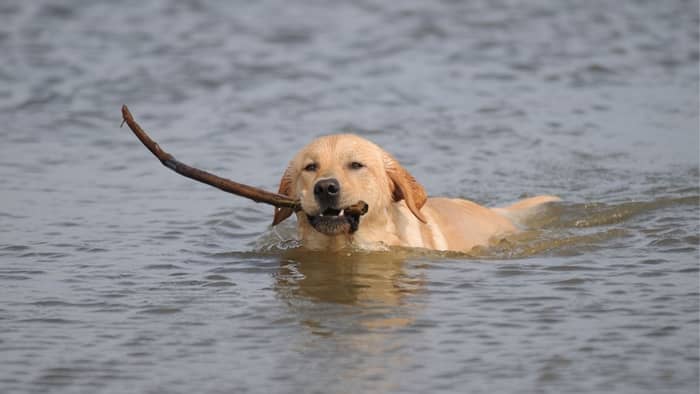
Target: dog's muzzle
x=335 y=221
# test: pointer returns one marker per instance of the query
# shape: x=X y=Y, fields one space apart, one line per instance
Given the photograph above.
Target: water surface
x=117 y=275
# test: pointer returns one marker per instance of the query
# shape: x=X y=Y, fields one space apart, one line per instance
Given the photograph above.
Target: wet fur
x=400 y=213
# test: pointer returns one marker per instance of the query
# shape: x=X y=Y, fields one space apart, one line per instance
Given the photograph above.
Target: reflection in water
x=353 y=303
x=377 y=281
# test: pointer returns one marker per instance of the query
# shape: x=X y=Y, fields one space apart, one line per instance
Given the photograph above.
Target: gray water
x=119 y=276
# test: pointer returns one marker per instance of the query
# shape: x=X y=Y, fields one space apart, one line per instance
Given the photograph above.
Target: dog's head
x=336 y=171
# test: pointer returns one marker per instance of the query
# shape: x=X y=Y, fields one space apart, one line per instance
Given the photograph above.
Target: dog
x=336 y=171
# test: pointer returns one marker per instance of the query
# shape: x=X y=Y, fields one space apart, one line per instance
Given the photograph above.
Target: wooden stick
x=227 y=185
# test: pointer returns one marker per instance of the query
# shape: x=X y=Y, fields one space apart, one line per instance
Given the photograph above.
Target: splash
x=559 y=230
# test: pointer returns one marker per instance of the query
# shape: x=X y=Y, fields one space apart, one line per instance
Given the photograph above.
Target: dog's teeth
x=342 y=212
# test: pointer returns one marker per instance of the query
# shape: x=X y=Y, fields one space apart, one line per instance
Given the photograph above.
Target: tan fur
x=400 y=214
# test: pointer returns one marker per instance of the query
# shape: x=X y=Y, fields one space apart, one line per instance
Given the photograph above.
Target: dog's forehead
x=339 y=146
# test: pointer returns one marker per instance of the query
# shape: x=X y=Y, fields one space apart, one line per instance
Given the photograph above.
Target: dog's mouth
x=333 y=221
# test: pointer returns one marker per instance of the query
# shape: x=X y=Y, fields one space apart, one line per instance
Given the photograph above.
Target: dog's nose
x=327 y=190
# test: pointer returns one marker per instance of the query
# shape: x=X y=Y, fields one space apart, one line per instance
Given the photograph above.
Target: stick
x=227 y=185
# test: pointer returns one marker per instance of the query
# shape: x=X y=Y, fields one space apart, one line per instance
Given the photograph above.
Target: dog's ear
x=285 y=189
x=405 y=187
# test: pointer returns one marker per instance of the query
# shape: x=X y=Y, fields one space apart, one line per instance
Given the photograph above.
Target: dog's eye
x=356 y=165
x=310 y=167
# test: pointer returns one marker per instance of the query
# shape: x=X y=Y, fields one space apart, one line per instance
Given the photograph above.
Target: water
x=117 y=275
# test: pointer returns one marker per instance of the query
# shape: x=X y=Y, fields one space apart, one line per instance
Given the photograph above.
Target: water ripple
x=120 y=276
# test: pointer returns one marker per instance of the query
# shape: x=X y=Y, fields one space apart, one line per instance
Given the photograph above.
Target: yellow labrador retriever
x=336 y=171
